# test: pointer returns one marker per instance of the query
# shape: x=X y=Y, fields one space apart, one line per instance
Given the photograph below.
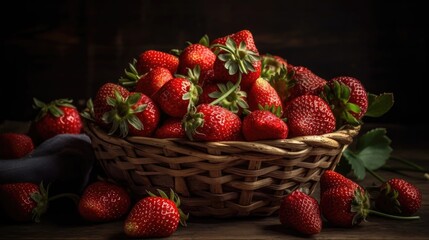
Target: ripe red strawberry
x=330 y=179
x=241 y=36
x=155 y=216
x=261 y=93
x=305 y=83
x=57 y=117
x=170 y=97
x=398 y=196
x=263 y=125
x=197 y=54
x=149 y=117
x=171 y=128
x=348 y=98
x=152 y=58
x=237 y=56
x=212 y=123
x=103 y=201
x=151 y=82
x=15 y=145
x=101 y=105
x=309 y=115
x=24 y=201
x=222 y=74
x=301 y=212
x=344 y=206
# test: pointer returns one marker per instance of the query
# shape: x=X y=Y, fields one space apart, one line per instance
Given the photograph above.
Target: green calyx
x=276 y=110
x=338 y=98
x=360 y=206
x=41 y=199
x=234 y=100
x=176 y=200
x=191 y=121
x=237 y=58
x=131 y=76
x=53 y=107
x=391 y=197
x=88 y=112
x=277 y=75
x=195 y=90
x=123 y=113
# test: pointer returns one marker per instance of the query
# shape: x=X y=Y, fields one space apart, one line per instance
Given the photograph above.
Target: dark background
x=66 y=49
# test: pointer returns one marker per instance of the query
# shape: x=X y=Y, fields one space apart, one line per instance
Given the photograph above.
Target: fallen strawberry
x=155 y=216
x=15 y=145
x=398 y=196
x=301 y=212
x=23 y=202
x=103 y=201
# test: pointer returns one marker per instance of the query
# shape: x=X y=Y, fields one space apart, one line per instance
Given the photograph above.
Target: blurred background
x=67 y=49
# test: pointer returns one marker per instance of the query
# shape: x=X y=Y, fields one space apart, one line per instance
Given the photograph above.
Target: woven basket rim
x=342 y=136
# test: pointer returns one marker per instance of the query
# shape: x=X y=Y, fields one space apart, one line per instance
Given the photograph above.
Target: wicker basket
x=220 y=179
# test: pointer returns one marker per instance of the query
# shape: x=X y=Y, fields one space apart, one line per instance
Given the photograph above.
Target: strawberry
x=57 y=117
x=171 y=128
x=309 y=115
x=15 y=145
x=348 y=98
x=100 y=103
x=103 y=201
x=212 y=123
x=344 y=206
x=150 y=59
x=398 y=196
x=238 y=59
x=261 y=93
x=241 y=36
x=248 y=76
x=23 y=201
x=305 y=82
x=301 y=212
x=170 y=97
x=151 y=82
x=149 y=117
x=197 y=54
x=263 y=125
x=330 y=179
x=155 y=216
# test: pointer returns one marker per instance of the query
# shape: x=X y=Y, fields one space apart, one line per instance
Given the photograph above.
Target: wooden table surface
x=68 y=225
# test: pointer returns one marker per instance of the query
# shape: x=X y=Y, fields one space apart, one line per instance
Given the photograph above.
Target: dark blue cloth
x=65 y=161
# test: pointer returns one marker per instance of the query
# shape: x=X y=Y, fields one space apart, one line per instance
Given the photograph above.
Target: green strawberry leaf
x=356 y=163
x=371 y=152
x=379 y=104
x=374 y=148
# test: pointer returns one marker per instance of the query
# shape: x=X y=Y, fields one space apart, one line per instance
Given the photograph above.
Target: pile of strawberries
x=224 y=90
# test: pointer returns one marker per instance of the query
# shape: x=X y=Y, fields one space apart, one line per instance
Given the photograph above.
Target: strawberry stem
x=411 y=164
x=393 y=216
